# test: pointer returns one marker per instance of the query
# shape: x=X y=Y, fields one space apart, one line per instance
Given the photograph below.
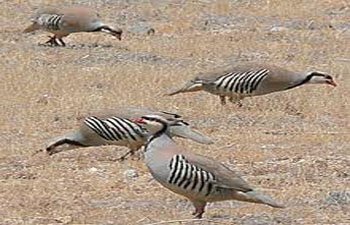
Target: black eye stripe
x=319 y=74
x=152 y=119
x=148 y=118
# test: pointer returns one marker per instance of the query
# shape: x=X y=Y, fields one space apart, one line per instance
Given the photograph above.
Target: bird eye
x=184 y=122
x=149 y=118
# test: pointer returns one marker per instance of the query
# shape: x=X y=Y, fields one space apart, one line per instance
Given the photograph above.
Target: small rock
x=44 y=99
x=99 y=85
x=130 y=174
x=64 y=219
x=278 y=29
x=338 y=198
x=93 y=170
x=151 y=31
x=268 y=146
x=141 y=28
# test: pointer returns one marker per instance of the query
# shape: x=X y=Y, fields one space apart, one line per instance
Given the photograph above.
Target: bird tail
x=192 y=86
x=187 y=132
x=33 y=27
x=257 y=197
x=63 y=143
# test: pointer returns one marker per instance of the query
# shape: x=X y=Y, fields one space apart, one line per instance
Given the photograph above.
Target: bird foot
x=235 y=101
x=223 y=100
x=198 y=213
x=125 y=156
x=54 y=42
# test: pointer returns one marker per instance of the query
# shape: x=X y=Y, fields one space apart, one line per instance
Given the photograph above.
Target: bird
x=199 y=178
x=63 y=21
x=115 y=127
x=251 y=79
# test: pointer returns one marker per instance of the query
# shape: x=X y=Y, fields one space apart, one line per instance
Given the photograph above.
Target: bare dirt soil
x=293 y=145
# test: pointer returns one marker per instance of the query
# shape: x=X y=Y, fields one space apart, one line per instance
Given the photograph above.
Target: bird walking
x=115 y=127
x=248 y=80
x=196 y=177
x=63 y=21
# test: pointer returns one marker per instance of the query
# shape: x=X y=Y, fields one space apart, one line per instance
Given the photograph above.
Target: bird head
x=153 y=123
x=175 y=125
x=317 y=77
x=116 y=32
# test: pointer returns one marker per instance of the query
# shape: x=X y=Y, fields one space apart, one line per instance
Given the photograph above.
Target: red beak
x=139 y=120
x=331 y=82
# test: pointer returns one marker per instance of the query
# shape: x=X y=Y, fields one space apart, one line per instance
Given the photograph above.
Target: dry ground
x=293 y=145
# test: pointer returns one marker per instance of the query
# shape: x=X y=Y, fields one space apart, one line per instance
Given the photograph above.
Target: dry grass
x=294 y=145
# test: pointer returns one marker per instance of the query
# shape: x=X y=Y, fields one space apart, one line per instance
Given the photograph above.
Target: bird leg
x=199 y=209
x=223 y=100
x=124 y=157
x=53 y=41
x=236 y=101
x=62 y=42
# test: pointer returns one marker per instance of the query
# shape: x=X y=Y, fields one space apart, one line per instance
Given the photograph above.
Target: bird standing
x=247 y=80
x=62 y=22
x=196 y=177
x=115 y=127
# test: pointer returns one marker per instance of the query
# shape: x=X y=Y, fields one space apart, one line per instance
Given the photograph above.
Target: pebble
x=130 y=174
x=278 y=29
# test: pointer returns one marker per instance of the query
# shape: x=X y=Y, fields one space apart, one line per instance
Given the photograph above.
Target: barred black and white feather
x=115 y=127
x=247 y=80
x=196 y=177
x=244 y=83
x=190 y=177
x=50 y=22
x=64 y=21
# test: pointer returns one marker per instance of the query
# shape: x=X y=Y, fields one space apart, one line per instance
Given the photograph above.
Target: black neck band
x=102 y=27
x=157 y=134
x=307 y=79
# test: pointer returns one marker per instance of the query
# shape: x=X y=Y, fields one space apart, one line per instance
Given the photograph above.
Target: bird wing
x=185 y=131
x=125 y=112
x=179 y=129
x=225 y=177
x=74 y=19
x=240 y=68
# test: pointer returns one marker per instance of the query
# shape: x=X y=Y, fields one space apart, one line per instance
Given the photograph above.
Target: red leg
x=62 y=42
x=53 y=41
x=125 y=156
x=199 y=209
x=223 y=100
x=236 y=101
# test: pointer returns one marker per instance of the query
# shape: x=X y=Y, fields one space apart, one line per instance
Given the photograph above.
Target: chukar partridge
x=196 y=177
x=63 y=21
x=247 y=80
x=115 y=127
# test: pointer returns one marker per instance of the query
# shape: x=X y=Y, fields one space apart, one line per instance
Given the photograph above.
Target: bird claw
x=54 y=42
x=236 y=101
x=198 y=214
x=222 y=100
x=125 y=156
